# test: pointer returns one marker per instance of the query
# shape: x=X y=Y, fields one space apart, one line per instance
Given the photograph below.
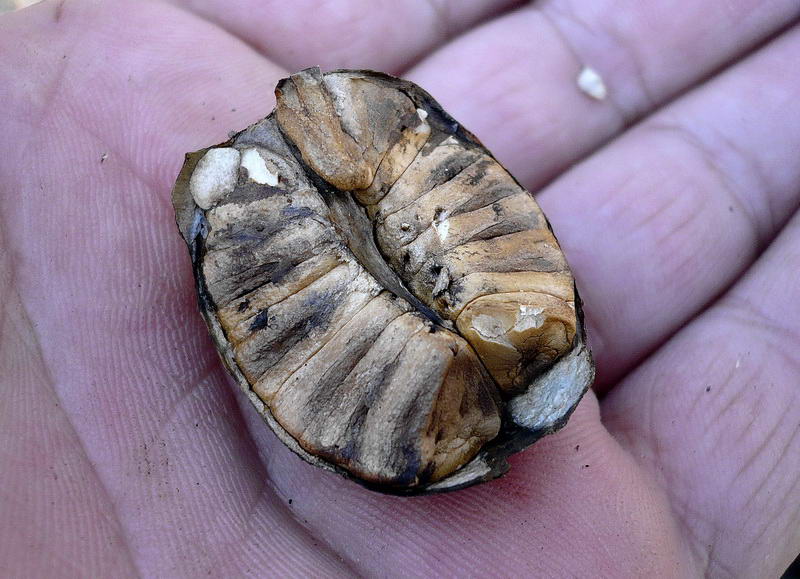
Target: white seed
x=591 y=83
x=257 y=168
x=215 y=176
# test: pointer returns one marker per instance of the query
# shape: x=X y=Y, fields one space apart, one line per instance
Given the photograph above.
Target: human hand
x=125 y=450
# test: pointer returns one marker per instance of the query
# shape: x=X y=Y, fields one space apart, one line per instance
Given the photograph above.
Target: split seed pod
x=390 y=299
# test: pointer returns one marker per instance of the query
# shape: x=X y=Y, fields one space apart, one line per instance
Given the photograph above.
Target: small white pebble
x=405 y=226
x=591 y=83
x=214 y=176
x=257 y=168
x=423 y=114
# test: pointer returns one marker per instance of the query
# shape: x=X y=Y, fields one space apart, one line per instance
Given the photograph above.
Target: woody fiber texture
x=393 y=302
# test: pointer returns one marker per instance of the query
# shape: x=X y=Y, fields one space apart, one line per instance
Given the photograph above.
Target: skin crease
x=124 y=449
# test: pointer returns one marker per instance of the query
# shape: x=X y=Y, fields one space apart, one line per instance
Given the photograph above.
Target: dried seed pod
x=391 y=300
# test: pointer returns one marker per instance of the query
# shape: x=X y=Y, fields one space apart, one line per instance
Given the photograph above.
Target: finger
x=513 y=81
x=383 y=35
x=665 y=218
x=678 y=183
x=715 y=416
x=51 y=498
x=88 y=152
x=573 y=505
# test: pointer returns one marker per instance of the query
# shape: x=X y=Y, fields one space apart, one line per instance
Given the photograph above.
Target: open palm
x=124 y=449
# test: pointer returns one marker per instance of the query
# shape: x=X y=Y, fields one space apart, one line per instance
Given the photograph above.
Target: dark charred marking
x=264 y=350
x=284 y=268
x=261 y=352
x=244 y=273
x=446 y=171
x=297 y=212
x=483 y=198
x=408 y=423
x=247 y=191
x=204 y=298
x=252 y=277
x=491 y=231
x=260 y=321
x=366 y=397
x=247 y=235
x=410 y=466
x=456 y=289
x=482 y=167
x=197 y=236
x=322 y=306
x=371 y=394
x=449 y=169
x=331 y=385
x=243 y=305
x=501 y=229
x=506 y=264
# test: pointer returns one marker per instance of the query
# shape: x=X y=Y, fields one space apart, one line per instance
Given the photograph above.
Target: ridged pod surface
x=392 y=301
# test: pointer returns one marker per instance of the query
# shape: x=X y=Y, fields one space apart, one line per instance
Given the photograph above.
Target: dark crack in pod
x=391 y=300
